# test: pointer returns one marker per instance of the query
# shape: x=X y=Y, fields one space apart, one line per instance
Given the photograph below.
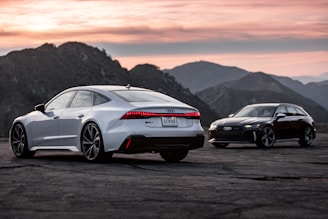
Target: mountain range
x=308 y=79
x=198 y=76
x=256 y=88
x=201 y=75
x=33 y=76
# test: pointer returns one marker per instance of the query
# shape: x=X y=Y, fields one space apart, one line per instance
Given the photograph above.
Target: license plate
x=170 y=121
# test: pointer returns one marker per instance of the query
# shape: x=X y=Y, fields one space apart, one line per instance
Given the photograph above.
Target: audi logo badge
x=170 y=110
x=227 y=128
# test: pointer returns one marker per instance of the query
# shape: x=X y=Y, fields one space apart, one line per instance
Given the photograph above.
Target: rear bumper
x=140 y=144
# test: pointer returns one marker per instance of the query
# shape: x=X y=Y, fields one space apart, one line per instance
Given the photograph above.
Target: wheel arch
x=27 y=130
x=83 y=125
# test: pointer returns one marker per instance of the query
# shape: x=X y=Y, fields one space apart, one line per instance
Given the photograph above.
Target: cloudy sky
x=282 y=37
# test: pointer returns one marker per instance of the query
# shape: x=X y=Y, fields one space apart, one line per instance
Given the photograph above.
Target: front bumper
x=233 y=136
x=140 y=144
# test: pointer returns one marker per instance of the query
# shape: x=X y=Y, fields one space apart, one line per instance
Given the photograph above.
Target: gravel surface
x=241 y=181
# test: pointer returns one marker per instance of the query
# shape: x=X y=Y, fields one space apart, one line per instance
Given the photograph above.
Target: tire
x=18 y=139
x=92 y=145
x=220 y=145
x=307 y=138
x=174 y=155
x=267 y=138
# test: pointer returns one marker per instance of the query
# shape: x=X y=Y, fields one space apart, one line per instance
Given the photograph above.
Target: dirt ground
x=241 y=181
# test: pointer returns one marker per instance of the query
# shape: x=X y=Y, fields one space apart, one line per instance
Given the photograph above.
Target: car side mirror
x=231 y=115
x=280 y=115
x=40 y=107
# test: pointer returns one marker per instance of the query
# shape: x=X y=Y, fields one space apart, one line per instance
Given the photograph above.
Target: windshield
x=256 y=111
x=143 y=96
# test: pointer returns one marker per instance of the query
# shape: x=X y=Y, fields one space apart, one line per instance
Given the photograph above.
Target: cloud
x=143 y=28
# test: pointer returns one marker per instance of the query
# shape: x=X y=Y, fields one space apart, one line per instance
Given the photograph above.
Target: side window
x=82 y=99
x=291 y=111
x=281 y=109
x=61 y=101
x=300 y=112
x=99 y=99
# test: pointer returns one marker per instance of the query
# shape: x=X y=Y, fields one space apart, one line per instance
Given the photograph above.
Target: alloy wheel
x=308 y=137
x=19 y=142
x=91 y=142
x=267 y=138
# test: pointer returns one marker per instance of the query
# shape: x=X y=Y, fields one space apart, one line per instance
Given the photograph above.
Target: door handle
x=55 y=117
x=80 y=116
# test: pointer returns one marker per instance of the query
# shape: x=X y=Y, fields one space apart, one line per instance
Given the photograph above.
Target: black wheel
x=174 y=155
x=92 y=144
x=267 y=138
x=220 y=145
x=19 y=143
x=307 y=138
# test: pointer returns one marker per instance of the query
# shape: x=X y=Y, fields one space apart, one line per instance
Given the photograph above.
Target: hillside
x=32 y=76
x=316 y=91
x=200 y=75
x=228 y=97
x=149 y=76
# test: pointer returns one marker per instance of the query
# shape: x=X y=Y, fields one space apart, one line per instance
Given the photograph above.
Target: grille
x=235 y=133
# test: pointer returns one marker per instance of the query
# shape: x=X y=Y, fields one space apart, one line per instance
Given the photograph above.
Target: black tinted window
x=291 y=111
x=281 y=109
x=300 y=112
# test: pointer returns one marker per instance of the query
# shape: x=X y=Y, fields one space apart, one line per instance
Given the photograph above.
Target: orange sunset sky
x=282 y=37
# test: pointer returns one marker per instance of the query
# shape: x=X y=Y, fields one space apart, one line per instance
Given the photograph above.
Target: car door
x=45 y=126
x=294 y=122
x=301 y=122
x=281 y=125
x=71 y=119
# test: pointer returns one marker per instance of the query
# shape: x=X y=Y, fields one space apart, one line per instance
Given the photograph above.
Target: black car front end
x=233 y=134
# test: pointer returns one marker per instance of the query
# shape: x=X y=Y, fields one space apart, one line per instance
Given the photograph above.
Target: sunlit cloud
x=283 y=64
x=160 y=29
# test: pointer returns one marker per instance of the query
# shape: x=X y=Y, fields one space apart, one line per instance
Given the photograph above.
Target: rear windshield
x=143 y=96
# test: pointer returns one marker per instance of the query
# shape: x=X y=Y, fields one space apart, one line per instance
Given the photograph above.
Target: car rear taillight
x=143 y=115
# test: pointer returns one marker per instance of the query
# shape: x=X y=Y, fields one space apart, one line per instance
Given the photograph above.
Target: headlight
x=252 y=126
x=213 y=125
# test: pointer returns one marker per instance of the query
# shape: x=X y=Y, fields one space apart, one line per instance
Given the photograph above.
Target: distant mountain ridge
x=256 y=88
x=309 y=78
x=33 y=76
x=207 y=74
x=200 y=75
x=316 y=91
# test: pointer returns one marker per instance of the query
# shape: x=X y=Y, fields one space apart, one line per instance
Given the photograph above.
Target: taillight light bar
x=143 y=115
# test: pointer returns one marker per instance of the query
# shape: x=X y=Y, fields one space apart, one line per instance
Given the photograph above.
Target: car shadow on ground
x=253 y=147
x=117 y=158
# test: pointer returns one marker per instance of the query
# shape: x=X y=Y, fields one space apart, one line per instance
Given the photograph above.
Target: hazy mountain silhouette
x=316 y=91
x=305 y=79
x=228 y=97
x=200 y=75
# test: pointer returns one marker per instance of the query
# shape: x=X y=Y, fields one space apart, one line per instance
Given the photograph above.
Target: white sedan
x=101 y=120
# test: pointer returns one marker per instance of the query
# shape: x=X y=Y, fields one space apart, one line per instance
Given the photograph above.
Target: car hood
x=242 y=121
